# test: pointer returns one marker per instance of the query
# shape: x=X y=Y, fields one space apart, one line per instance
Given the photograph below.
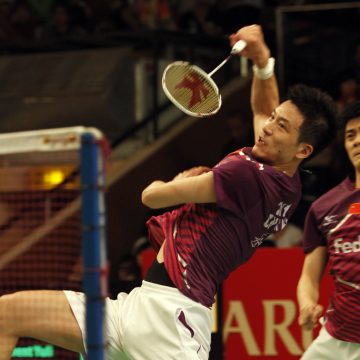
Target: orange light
x=53 y=177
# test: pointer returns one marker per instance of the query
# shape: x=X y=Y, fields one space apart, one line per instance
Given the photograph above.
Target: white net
x=40 y=221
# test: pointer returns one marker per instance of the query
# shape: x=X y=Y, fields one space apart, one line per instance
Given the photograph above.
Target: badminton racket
x=193 y=90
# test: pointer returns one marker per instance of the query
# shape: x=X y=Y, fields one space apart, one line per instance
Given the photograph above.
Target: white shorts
x=326 y=347
x=151 y=322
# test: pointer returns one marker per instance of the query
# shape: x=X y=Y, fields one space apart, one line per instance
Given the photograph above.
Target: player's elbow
x=150 y=195
x=148 y=199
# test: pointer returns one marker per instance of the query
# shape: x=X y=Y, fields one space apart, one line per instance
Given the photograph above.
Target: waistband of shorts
x=147 y=285
x=171 y=291
x=157 y=274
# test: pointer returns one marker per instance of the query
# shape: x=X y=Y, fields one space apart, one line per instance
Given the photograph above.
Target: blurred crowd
x=349 y=79
x=52 y=19
x=58 y=20
x=44 y=19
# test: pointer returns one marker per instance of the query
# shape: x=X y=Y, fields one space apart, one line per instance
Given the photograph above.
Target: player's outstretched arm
x=308 y=287
x=264 y=91
x=195 y=185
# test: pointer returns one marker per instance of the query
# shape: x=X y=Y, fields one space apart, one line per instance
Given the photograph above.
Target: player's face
x=352 y=141
x=278 y=141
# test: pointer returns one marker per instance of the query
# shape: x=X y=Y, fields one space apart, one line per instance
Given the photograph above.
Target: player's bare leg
x=43 y=315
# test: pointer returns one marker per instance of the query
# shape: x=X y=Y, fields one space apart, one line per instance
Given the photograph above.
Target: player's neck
x=287 y=169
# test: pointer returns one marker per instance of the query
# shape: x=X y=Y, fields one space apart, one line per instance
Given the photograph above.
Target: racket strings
x=191 y=89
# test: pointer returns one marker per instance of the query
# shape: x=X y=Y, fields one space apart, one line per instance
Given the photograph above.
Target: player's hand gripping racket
x=193 y=90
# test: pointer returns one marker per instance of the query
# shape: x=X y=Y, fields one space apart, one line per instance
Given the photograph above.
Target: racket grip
x=238 y=47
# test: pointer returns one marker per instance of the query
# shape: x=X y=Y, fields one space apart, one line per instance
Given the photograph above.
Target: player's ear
x=304 y=150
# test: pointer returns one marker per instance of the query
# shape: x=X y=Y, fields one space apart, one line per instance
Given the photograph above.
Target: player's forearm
x=265 y=92
x=311 y=275
x=309 y=308
x=264 y=95
x=307 y=291
x=195 y=185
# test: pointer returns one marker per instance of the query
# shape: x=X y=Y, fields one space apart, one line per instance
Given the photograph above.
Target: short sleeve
x=313 y=236
x=237 y=185
x=155 y=233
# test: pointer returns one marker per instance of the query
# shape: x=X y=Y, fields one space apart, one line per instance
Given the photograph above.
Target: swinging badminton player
x=223 y=215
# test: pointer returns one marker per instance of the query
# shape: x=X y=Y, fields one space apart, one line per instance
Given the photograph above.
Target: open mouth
x=261 y=140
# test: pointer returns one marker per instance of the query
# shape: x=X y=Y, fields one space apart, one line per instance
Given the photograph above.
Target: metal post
x=93 y=243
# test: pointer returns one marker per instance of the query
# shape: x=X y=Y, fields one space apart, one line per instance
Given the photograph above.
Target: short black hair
x=350 y=112
x=320 y=115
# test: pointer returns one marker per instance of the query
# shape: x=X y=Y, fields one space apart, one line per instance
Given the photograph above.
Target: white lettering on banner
x=281 y=329
x=242 y=327
x=346 y=246
x=237 y=322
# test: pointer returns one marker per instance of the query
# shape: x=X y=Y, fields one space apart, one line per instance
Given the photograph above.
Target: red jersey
x=205 y=242
x=330 y=223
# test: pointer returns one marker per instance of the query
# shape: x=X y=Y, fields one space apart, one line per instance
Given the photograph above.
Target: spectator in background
x=165 y=18
x=349 y=90
x=240 y=133
x=127 y=277
x=128 y=272
x=63 y=23
x=238 y=13
x=7 y=31
x=41 y=9
x=349 y=83
x=155 y=14
x=354 y=67
x=23 y=21
x=289 y=236
x=201 y=18
x=82 y=14
x=122 y=16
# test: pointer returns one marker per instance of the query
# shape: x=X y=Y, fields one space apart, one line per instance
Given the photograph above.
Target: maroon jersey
x=329 y=223
x=205 y=242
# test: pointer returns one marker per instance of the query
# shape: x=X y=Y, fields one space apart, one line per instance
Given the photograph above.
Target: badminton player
x=332 y=235
x=222 y=215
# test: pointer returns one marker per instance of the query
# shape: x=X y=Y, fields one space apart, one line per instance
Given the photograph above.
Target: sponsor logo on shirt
x=274 y=222
x=346 y=247
x=329 y=220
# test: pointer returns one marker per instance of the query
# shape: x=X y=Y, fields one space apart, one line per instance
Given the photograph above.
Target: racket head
x=191 y=89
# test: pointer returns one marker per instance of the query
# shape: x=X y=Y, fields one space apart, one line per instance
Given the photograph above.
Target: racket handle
x=238 y=47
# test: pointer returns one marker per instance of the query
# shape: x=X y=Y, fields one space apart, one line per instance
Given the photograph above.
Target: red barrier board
x=260 y=309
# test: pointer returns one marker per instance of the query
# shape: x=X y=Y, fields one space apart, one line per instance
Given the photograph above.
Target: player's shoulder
x=332 y=196
x=241 y=156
